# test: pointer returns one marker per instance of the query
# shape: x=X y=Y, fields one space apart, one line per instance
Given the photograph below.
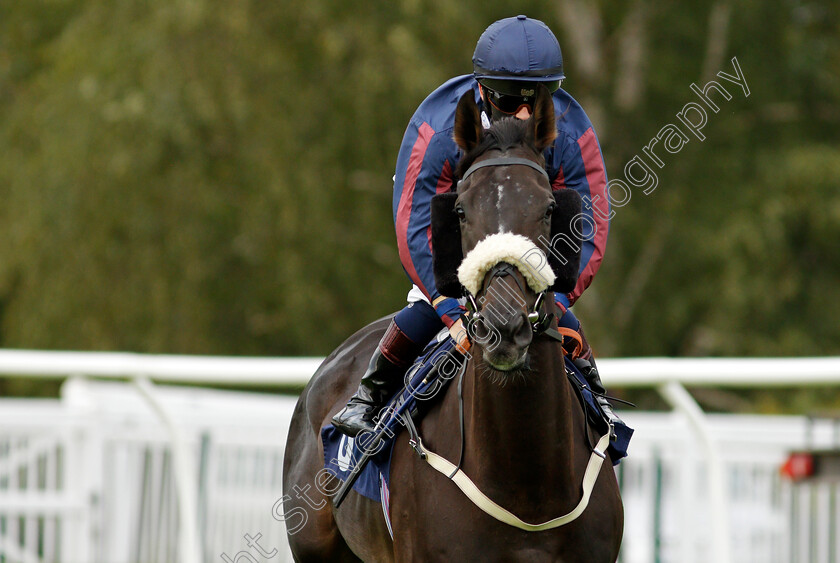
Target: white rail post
x=190 y=549
x=77 y=527
x=681 y=400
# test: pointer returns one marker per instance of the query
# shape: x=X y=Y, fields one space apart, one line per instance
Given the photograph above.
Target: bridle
x=539 y=319
x=504 y=161
x=540 y=323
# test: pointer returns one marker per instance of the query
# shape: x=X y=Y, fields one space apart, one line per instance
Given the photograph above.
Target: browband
x=504 y=161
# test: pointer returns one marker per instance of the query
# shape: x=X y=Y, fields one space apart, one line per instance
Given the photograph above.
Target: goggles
x=507 y=103
x=508 y=96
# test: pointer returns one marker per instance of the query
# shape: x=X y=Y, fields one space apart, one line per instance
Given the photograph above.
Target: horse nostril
x=521 y=331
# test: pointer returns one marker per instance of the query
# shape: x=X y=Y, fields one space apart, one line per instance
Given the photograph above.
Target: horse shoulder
x=415 y=486
x=319 y=537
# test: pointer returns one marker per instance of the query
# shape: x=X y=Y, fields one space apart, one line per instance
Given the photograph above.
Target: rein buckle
x=417 y=446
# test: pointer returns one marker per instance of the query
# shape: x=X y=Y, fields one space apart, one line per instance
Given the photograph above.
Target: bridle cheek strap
x=486 y=504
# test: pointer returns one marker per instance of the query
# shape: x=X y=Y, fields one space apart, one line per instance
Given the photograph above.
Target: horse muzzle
x=507 y=349
x=502 y=326
x=505 y=270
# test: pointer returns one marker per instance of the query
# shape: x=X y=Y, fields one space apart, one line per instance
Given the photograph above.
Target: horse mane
x=503 y=135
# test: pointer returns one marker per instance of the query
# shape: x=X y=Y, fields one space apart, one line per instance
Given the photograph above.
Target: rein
x=541 y=324
x=486 y=504
x=540 y=321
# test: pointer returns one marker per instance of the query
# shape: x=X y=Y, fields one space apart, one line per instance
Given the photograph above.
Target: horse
x=514 y=420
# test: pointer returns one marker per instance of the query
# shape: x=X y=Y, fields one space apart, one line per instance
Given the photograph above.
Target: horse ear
x=545 y=128
x=564 y=251
x=468 y=129
x=446 y=245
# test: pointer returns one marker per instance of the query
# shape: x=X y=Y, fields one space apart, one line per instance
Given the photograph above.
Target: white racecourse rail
x=131 y=471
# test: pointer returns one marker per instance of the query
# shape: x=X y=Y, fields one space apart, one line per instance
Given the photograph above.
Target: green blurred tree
x=215 y=177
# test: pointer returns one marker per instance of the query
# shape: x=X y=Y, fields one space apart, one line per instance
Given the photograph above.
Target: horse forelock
x=504 y=135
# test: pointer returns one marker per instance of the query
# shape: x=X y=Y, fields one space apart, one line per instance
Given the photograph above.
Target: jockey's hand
x=458 y=332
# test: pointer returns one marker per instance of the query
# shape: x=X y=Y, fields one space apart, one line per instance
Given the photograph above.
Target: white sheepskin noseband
x=516 y=250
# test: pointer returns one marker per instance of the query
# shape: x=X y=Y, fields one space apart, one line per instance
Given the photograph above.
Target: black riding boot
x=383 y=378
x=590 y=372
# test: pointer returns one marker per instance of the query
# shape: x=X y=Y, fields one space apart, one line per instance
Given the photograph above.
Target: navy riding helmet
x=511 y=55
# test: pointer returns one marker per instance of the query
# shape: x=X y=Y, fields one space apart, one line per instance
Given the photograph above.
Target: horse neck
x=523 y=432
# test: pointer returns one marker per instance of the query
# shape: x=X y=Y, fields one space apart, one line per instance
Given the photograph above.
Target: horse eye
x=459 y=211
x=549 y=211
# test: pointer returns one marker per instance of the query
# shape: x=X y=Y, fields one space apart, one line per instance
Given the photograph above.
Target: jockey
x=511 y=56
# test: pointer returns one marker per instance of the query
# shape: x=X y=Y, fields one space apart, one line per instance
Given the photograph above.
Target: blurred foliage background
x=207 y=177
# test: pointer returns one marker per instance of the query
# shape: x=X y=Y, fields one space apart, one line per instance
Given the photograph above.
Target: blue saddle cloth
x=342 y=453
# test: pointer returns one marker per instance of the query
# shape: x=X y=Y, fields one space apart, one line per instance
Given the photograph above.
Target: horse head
x=504 y=238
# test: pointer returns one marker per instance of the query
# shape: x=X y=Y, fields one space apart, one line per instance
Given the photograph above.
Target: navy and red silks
x=426 y=161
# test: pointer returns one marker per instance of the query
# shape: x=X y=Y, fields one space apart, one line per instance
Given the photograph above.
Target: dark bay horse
x=526 y=444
